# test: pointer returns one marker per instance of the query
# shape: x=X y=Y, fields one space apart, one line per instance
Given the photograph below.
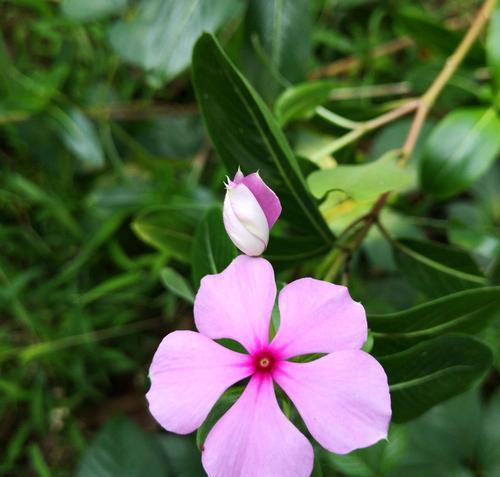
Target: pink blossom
x=342 y=397
x=250 y=210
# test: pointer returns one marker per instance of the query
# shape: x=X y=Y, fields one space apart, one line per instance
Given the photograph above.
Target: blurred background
x=106 y=170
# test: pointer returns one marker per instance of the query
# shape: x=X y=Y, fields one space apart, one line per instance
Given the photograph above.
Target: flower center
x=264 y=362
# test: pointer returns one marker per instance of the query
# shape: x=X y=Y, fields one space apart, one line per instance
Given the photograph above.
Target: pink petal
x=188 y=374
x=318 y=317
x=343 y=398
x=237 y=303
x=254 y=438
x=265 y=196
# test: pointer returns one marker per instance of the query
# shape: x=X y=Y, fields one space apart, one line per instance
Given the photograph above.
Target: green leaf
x=374 y=461
x=362 y=182
x=289 y=250
x=493 y=45
x=212 y=250
x=222 y=405
x=494 y=272
x=433 y=371
x=277 y=47
x=300 y=101
x=183 y=457
x=161 y=34
x=177 y=284
x=85 y=10
x=80 y=137
x=245 y=133
x=459 y=150
x=429 y=31
x=436 y=269
x=122 y=449
x=468 y=312
x=169 y=228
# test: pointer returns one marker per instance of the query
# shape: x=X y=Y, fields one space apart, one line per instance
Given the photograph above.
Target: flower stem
x=365 y=127
x=428 y=99
x=422 y=106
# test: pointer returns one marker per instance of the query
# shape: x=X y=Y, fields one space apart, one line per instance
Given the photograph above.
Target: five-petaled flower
x=342 y=397
x=250 y=210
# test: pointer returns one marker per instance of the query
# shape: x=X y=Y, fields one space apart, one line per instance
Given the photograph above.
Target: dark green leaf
x=122 y=449
x=84 y=10
x=467 y=311
x=169 y=228
x=300 y=101
x=177 y=284
x=433 y=371
x=436 y=269
x=375 y=461
x=428 y=31
x=245 y=133
x=212 y=249
x=222 y=405
x=460 y=149
x=277 y=47
x=80 y=137
x=362 y=182
x=184 y=459
x=160 y=36
x=493 y=45
x=288 y=251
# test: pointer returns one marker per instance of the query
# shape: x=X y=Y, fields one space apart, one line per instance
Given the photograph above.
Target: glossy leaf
x=374 y=461
x=460 y=149
x=300 y=101
x=222 y=405
x=436 y=269
x=433 y=371
x=493 y=45
x=362 y=182
x=79 y=135
x=160 y=36
x=177 y=284
x=277 y=47
x=121 y=448
x=212 y=249
x=85 y=10
x=288 y=251
x=468 y=312
x=245 y=134
x=169 y=228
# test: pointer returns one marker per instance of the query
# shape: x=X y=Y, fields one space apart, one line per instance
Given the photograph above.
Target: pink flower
x=250 y=210
x=343 y=397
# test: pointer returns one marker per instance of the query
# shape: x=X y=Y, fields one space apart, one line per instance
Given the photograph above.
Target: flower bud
x=250 y=210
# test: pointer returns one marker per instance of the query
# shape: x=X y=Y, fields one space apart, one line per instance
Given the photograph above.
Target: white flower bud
x=245 y=220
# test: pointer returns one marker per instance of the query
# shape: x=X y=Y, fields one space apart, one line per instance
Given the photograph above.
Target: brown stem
x=424 y=105
x=453 y=62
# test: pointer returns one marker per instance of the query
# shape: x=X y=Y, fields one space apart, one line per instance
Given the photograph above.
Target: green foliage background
x=119 y=120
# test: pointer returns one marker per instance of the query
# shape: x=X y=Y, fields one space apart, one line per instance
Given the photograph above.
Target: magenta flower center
x=264 y=361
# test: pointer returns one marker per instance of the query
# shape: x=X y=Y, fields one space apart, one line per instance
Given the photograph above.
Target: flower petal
x=255 y=438
x=237 y=303
x=188 y=374
x=343 y=398
x=265 y=196
x=318 y=317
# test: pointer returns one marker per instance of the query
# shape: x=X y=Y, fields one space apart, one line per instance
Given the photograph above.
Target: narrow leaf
x=212 y=250
x=245 y=133
x=433 y=371
x=436 y=269
x=467 y=312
